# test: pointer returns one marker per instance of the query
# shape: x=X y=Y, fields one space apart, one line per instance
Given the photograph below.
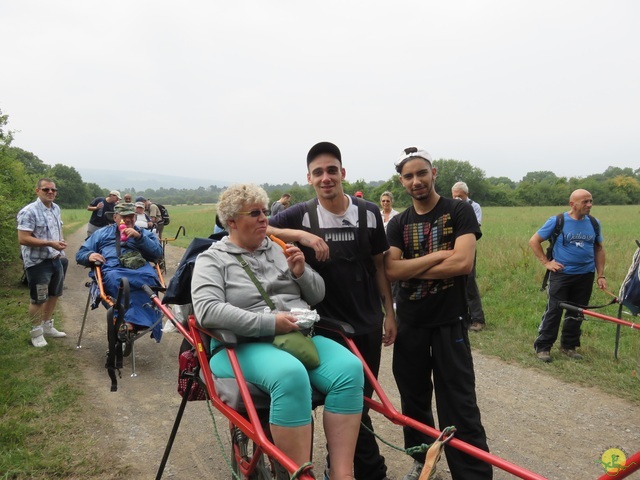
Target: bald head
x=580 y=202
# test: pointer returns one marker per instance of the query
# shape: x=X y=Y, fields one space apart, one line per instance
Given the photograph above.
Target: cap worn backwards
x=411 y=152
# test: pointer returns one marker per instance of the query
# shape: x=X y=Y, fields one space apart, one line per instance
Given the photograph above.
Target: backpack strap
x=365 y=245
x=314 y=223
x=552 y=241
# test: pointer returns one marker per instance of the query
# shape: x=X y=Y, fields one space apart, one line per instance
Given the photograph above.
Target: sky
x=239 y=91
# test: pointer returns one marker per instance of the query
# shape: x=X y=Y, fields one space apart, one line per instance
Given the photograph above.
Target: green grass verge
x=42 y=433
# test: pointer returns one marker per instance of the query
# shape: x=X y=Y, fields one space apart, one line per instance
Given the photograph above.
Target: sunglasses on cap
x=255 y=213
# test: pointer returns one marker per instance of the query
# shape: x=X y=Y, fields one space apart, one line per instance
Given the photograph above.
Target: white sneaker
x=414 y=473
x=37 y=339
x=50 y=330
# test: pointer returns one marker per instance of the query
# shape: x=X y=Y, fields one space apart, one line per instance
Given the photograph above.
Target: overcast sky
x=240 y=90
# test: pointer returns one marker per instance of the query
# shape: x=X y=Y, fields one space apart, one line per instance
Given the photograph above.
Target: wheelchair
x=121 y=335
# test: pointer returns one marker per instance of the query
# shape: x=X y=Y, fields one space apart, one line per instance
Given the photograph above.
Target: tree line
x=20 y=170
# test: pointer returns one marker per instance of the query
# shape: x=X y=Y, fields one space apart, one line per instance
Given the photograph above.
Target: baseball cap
x=140 y=204
x=125 y=209
x=141 y=199
x=411 y=152
x=359 y=194
x=115 y=193
x=323 y=147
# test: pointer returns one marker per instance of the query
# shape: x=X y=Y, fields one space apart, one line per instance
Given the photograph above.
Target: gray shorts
x=46 y=279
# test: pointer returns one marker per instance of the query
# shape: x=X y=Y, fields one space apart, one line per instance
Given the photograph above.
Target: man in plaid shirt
x=42 y=244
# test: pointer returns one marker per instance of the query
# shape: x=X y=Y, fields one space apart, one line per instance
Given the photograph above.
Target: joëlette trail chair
x=254 y=456
x=130 y=314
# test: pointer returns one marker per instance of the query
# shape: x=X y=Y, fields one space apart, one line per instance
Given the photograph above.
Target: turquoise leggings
x=339 y=377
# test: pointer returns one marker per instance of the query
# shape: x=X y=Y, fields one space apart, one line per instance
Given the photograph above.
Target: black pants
x=368 y=464
x=445 y=353
x=574 y=289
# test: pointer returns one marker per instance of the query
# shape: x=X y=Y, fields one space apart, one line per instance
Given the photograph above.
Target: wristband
x=602 y=276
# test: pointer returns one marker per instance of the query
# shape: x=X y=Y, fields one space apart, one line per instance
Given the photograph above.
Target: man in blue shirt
x=578 y=252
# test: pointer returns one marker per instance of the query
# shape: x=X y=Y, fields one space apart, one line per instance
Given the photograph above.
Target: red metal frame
x=252 y=427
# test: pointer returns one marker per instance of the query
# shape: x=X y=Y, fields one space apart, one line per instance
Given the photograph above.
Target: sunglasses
x=47 y=190
x=255 y=213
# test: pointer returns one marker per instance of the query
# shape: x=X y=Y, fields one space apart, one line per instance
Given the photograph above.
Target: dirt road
x=557 y=430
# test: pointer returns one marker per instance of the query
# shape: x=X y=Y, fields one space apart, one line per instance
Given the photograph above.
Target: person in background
x=280 y=205
x=386 y=208
x=351 y=265
x=433 y=245
x=142 y=219
x=101 y=209
x=154 y=213
x=477 y=321
x=127 y=198
x=577 y=254
x=42 y=246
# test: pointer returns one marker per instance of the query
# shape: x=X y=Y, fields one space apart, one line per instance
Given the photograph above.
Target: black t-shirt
x=99 y=217
x=432 y=302
x=351 y=290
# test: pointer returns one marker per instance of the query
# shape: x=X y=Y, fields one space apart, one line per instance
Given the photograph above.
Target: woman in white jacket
x=224 y=296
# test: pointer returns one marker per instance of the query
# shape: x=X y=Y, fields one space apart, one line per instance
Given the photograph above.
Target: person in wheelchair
x=126 y=257
x=224 y=296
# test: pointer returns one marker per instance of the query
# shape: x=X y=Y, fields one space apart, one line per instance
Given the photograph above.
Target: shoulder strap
x=314 y=223
x=363 y=231
x=253 y=278
x=118 y=248
x=552 y=241
x=595 y=225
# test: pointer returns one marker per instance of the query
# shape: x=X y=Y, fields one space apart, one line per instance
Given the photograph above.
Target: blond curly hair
x=234 y=197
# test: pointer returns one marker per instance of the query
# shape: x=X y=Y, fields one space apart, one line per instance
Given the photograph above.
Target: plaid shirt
x=44 y=223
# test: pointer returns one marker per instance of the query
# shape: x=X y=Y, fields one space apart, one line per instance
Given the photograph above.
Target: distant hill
x=143 y=180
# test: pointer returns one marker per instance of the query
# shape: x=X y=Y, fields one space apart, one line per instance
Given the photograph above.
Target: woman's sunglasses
x=255 y=213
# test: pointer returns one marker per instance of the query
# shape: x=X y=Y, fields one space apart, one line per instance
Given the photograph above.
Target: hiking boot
x=571 y=353
x=477 y=326
x=414 y=473
x=37 y=338
x=544 y=357
x=50 y=330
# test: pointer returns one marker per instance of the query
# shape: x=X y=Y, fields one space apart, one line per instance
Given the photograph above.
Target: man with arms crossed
x=433 y=245
x=353 y=270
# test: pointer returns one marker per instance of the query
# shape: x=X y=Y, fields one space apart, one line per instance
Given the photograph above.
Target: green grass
x=41 y=400
x=509 y=279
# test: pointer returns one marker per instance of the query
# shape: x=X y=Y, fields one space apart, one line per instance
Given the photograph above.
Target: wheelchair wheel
x=240 y=447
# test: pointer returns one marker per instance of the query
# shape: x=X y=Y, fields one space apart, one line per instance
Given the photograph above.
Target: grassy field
x=40 y=398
